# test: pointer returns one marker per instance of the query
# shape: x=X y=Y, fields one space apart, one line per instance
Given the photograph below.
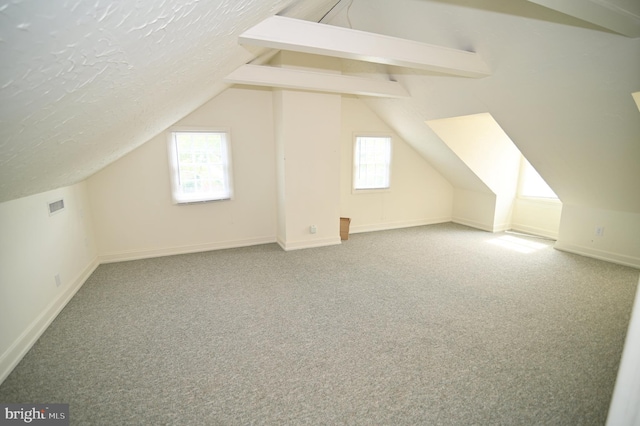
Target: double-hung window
x=372 y=162
x=200 y=165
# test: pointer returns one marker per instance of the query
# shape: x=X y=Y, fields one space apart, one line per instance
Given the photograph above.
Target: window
x=200 y=166
x=372 y=162
x=531 y=183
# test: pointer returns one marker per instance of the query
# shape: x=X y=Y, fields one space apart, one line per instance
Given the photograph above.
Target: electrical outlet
x=313 y=229
x=58 y=281
x=599 y=231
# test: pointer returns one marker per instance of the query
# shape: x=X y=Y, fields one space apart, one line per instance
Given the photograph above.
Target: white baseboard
x=535 y=231
x=298 y=245
x=384 y=226
x=620 y=259
x=14 y=354
x=472 y=224
x=170 y=251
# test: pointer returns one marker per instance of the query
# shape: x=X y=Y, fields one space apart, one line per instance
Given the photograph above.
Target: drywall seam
x=620 y=259
x=14 y=354
x=384 y=226
x=195 y=248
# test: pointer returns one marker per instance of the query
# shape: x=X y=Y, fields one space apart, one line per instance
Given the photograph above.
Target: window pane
x=202 y=169
x=372 y=162
x=532 y=184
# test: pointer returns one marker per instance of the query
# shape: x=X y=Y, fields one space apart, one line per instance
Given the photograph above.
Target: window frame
x=355 y=163
x=177 y=196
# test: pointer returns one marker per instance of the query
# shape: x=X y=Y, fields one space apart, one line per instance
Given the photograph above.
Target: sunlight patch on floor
x=520 y=245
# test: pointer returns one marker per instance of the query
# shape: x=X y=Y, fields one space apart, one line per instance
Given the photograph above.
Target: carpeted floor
x=432 y=325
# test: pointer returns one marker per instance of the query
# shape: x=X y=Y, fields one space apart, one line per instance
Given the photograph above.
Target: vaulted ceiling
x=82 y=84
x=561 y=88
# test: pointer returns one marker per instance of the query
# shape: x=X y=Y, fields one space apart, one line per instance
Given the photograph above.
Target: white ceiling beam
x=289 y=78
x=608 y=14
x=279 y=32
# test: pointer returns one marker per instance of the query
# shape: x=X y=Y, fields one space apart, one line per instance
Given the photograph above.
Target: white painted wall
x=620 y=242
x=134 y=216
x=625 y=409
x=309 y=168
x=504 y=212
x=131 y=203
x=538 y=217
x=486 y=149
x=34 y=247
x=475 y=209
x=281 y=224
x=419 y=195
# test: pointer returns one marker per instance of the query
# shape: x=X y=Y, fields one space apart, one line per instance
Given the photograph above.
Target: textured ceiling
x=84 y=82
x=560 y=88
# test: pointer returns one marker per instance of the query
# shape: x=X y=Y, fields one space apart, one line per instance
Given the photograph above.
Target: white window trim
x=355 y=137
x=173 y=164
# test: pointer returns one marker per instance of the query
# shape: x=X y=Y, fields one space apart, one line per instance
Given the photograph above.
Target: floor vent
x=56 y=207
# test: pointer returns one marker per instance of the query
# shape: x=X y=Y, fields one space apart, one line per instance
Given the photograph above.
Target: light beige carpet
x=438 y=324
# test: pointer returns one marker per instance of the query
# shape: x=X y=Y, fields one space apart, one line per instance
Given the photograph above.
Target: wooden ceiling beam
x=288 y=78
x=279 y=32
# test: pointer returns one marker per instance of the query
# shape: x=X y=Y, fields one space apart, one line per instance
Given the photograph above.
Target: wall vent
x=56 y=207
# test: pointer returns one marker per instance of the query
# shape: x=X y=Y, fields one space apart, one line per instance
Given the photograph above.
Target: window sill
x=370 y=191
x=188 y=202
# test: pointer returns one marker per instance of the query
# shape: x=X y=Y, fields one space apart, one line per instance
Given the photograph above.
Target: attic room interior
x=471 y=96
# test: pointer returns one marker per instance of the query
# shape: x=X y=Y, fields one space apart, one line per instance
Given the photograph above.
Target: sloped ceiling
x=560 y=88
x=480 y=142
x=621 y=16
x=84 y=82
